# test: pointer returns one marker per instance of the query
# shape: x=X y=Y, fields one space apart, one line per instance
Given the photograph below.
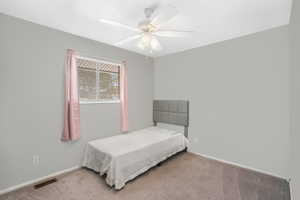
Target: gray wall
x=239 y=98
x=31 y=103
x=295 y=45
x=239 y=92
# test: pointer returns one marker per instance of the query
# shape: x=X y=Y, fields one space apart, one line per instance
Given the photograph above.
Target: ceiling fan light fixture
x=149 y=42
x=155 y=45
x=145 y=42
x=141 y=45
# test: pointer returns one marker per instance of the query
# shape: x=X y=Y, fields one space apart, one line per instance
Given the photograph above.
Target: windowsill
x=99 y=102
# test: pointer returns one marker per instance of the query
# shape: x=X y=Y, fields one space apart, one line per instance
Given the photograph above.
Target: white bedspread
x=126 y=156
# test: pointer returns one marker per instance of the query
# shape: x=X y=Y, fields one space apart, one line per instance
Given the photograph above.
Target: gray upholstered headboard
x=172 y=112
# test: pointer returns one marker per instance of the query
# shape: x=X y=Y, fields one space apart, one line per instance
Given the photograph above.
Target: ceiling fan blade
x=172 y=33
x=129 y=39
x=163 y=14
x=117 y=24
x=155 y=44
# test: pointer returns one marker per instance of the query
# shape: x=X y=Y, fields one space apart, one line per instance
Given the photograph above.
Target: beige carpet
x=183 y=177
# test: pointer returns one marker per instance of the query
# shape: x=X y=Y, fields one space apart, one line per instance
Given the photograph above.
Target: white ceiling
x=214 y=20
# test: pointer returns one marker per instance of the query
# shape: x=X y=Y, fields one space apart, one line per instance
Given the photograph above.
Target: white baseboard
x=241 y=166
x=28 y=183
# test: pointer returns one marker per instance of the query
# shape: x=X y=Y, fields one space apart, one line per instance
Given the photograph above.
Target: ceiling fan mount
x=145 y=25
x=149 y=12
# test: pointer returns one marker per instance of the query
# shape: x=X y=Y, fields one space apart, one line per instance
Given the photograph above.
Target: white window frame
x=102 y=101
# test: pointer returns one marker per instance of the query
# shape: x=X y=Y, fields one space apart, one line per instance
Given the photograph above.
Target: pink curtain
x=124 y=97
x=72 y=110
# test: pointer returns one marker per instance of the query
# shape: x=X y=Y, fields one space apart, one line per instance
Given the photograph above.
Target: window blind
x=94 y=65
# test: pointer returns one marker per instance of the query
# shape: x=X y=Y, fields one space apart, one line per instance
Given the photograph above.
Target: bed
x=124 y=157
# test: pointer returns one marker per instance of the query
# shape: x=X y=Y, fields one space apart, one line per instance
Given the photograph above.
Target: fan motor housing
x=146 y=26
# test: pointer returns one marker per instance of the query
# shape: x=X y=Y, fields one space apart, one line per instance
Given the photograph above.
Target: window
x=99 y=81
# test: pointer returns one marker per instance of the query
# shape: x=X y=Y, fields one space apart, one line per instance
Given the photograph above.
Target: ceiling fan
x=149 y=29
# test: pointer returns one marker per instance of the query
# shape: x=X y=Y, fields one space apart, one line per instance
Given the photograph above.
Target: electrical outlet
x=36 y=160
x=33 y=160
